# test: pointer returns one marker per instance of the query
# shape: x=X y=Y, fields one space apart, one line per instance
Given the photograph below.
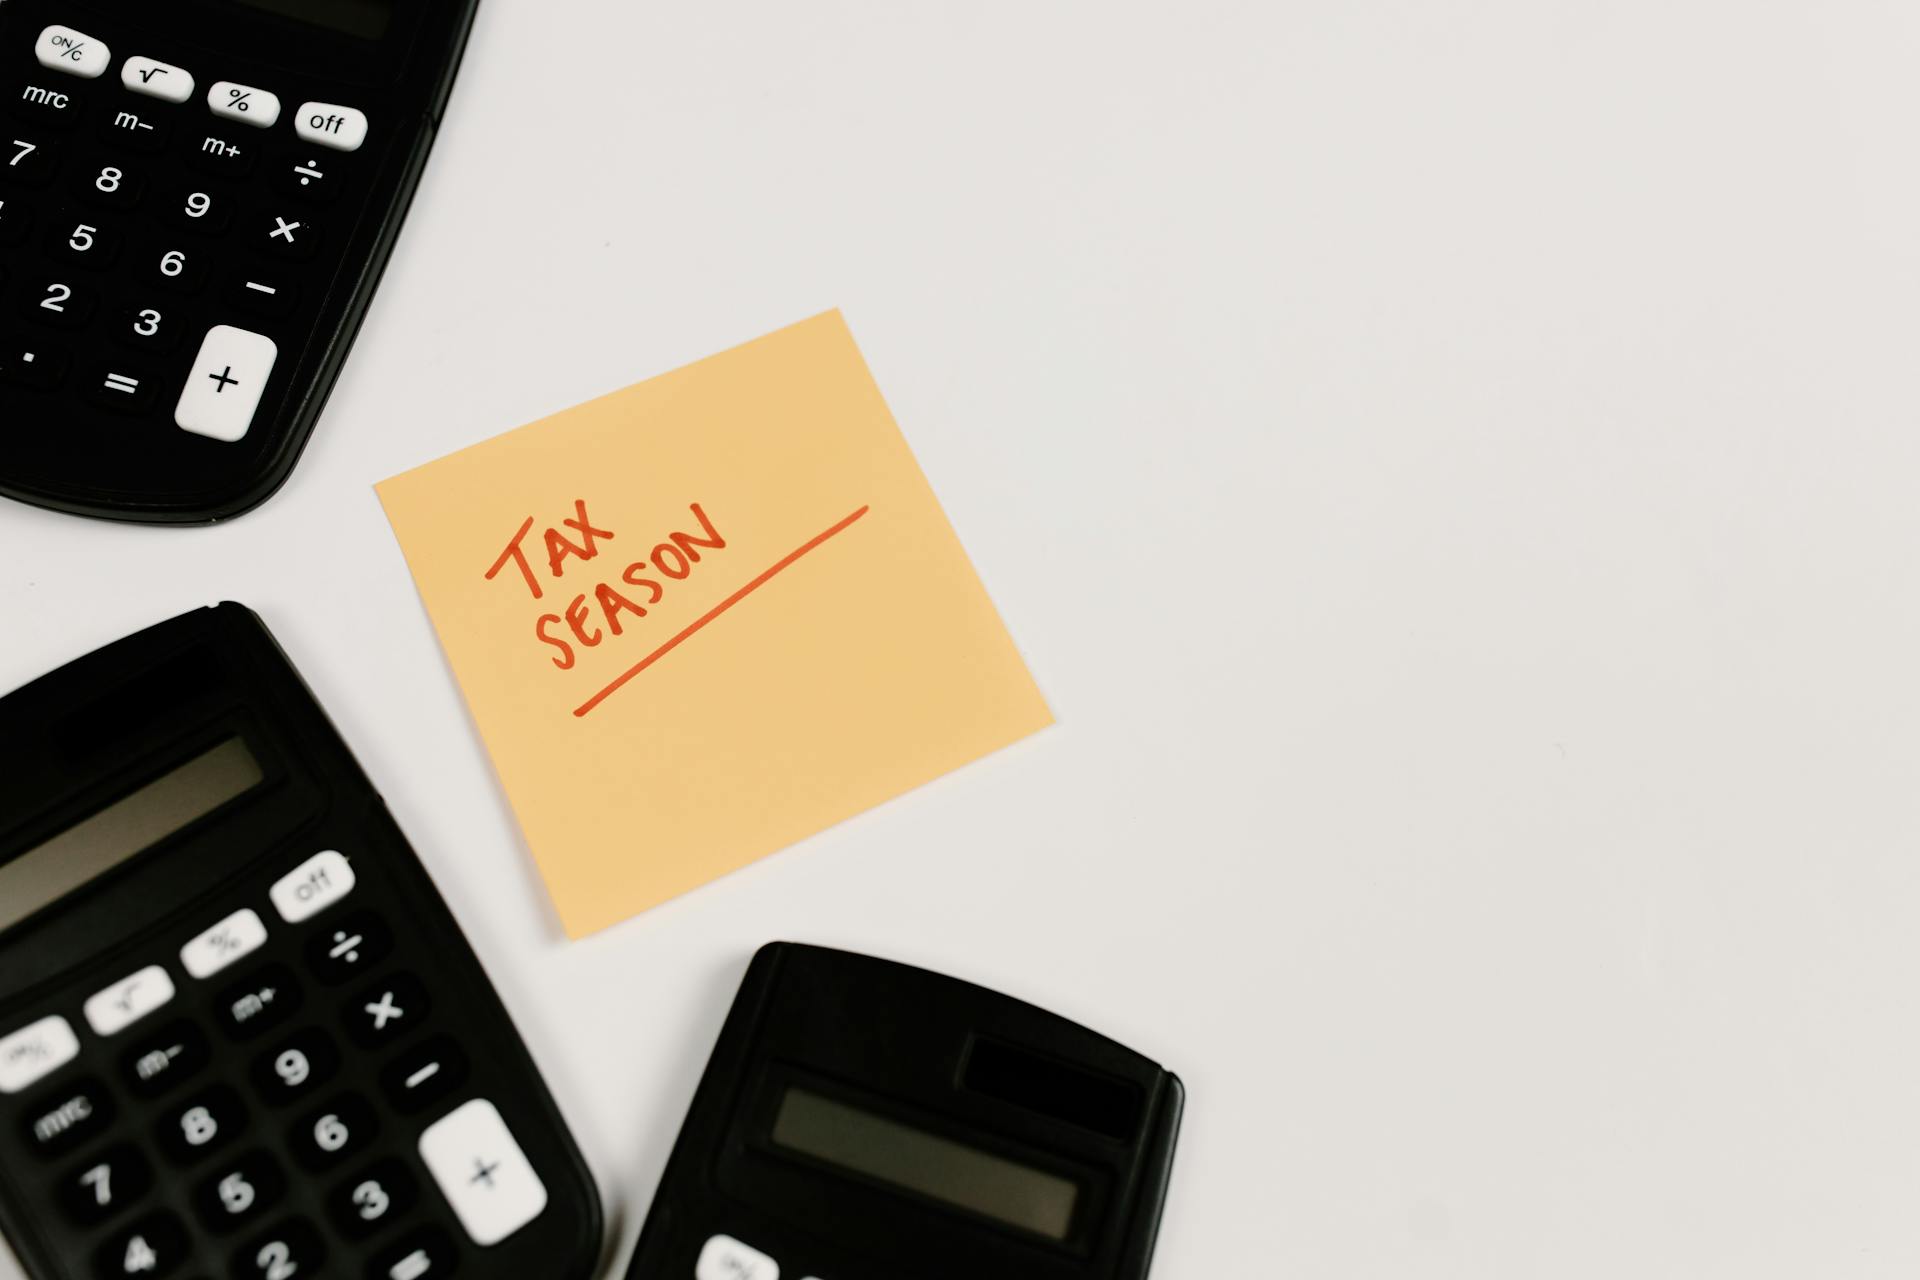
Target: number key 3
x=148 y=326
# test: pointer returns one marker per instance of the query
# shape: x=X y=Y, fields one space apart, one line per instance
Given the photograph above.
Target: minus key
x=263 y=295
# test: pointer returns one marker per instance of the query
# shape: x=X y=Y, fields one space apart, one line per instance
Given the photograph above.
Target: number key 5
x=239 y=1191
x=80 y=241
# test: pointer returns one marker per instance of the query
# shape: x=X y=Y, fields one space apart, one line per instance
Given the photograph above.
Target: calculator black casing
x=58 y=448
x=897 y=1040
x=91 y=731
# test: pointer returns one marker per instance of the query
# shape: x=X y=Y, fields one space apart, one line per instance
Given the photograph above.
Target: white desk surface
x=1452 y=470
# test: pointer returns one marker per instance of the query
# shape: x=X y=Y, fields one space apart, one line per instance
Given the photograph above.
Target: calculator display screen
x=876 y=1147
x=367 y=19
x=51 y=870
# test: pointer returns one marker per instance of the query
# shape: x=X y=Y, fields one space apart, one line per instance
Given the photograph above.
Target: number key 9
x=197 y=207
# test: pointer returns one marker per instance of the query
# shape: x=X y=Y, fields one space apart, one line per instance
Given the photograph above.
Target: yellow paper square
x=837 y=650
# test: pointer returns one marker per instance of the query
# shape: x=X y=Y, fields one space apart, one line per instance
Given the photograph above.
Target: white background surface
x=1451 y=468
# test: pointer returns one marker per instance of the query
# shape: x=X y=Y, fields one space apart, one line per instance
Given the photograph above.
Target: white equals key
x=122 y=383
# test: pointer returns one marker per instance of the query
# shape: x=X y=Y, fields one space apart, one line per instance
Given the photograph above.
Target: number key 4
x=153 y=1246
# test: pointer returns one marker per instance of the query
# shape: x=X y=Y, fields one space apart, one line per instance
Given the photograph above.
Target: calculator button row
x=115 y=1008
x=244 y=103
x=482 y=1172
x=64 y=49
x=157 y=79
x=240 y=934
x=724 y=1258
x=326 y=877
x=37 y=1049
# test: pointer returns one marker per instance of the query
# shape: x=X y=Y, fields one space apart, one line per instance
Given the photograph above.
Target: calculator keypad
x=228 y=1136
x=176 y=221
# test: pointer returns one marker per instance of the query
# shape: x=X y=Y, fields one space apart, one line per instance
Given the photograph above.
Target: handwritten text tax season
x=590 y=616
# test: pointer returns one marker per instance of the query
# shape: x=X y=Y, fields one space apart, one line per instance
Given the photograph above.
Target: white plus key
x=64 y=49
x=724 y=1258
x=482 y=1172
x=224 y=388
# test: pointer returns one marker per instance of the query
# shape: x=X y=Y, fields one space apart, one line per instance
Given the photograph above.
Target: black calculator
x=241 y=1037
x=863 y=1120
x=196 y=202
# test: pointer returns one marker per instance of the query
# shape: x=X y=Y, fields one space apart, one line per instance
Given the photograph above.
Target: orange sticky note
x=701 y=618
